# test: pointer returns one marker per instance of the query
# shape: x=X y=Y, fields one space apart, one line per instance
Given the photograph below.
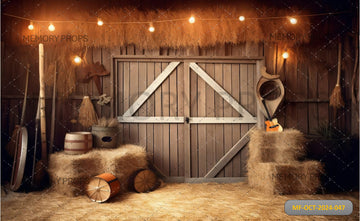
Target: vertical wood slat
x=302 y=90
x=227 y=113
x=219 y=112
x=313 y=114
x=201 y=94
x=158 y=127
x=106 y=61
x=165 y=127
x=134 y=93
x=126 y=99
x=96 y=57
x=142 y=109
x=120 y=90
x=180 y=112
x=210 y=112
x=237 y=87
x=290 y=91
x=194 y=128
x=173 y=136
x=187 y=128
x=150 y=106
x=150 y=110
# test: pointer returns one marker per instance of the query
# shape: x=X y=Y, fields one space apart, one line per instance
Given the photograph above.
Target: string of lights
x=292 y=19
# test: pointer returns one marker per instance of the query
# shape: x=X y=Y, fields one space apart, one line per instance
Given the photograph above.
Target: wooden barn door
x=192 y=116
x=222 y=111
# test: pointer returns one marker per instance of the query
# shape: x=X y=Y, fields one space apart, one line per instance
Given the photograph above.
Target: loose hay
x=207 y=201
x=281 y=147
x=70 y=173
x=295 y=178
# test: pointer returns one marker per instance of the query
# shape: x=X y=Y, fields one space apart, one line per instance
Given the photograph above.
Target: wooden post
x=260 y=116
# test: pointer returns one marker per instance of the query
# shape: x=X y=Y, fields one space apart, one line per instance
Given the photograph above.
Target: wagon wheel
x=145 y=181
x=98 y=190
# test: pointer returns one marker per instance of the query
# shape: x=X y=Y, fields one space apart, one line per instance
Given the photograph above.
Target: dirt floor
x=210 y=201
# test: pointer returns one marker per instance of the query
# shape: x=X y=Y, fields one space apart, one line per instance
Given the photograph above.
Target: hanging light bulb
x=51 y=27
x=293 y=21
x=77 y=60
x=31 y=26
x=100 y=22
x=151 y=28
x=285 y=55
x=242 y=18
x=192 y=19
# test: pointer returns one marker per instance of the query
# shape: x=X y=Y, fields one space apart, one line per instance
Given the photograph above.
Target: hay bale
x=280 y=147
x=295 y=178
x=124 y=162
x=69 y=174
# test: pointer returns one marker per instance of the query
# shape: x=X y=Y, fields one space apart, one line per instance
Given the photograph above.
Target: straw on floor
x=208 y=201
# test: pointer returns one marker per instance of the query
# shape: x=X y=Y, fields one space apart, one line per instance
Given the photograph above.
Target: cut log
x=145 y=181
x=103 y=187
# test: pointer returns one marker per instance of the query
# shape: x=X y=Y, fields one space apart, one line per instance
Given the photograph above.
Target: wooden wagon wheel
x=145 y=181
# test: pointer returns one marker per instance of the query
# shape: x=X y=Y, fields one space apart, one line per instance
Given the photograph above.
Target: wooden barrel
x=105 y=137
x=78 y=142
x=103 y=187
x=145 y=181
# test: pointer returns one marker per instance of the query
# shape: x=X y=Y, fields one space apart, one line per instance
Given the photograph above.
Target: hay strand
x=107 y=122
x=87 y=114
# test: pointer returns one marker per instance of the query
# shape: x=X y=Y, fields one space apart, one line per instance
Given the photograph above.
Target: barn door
x=192 y=117
x=220 y=115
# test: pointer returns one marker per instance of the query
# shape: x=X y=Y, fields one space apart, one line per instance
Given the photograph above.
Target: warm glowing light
x=192 y=19
x=285 y=55
x=77 y=60
x=100 y=22
x=51 y=27
x=31 y=26
x=151 y=29
x=293 y=21
x=242 y=18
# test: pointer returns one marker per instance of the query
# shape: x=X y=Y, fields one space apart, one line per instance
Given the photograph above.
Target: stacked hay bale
x=69 y=174
x=274 y=164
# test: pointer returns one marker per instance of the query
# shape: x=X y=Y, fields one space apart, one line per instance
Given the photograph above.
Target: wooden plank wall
x=308 y=86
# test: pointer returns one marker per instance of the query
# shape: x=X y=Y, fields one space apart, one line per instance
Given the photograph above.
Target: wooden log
x=103 y=187
x=145 y=181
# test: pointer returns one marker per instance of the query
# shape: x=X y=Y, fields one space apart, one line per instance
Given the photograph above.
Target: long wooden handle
x=42 y=105
x=52 y=129
x=339 y=65
x=25 y=95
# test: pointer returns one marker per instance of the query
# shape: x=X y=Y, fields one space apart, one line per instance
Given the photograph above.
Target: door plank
x=157 y=127
x=173 y=147
x=219 y=112
x=227 y=112
x=235 y=91
x=134 y=92
x=187 y=132
x=142 y=110
x=201 y=127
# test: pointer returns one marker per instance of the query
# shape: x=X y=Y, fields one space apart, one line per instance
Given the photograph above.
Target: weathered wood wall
x=308 y=85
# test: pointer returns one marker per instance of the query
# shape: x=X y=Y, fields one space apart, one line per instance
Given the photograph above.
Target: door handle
x=187 y=120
